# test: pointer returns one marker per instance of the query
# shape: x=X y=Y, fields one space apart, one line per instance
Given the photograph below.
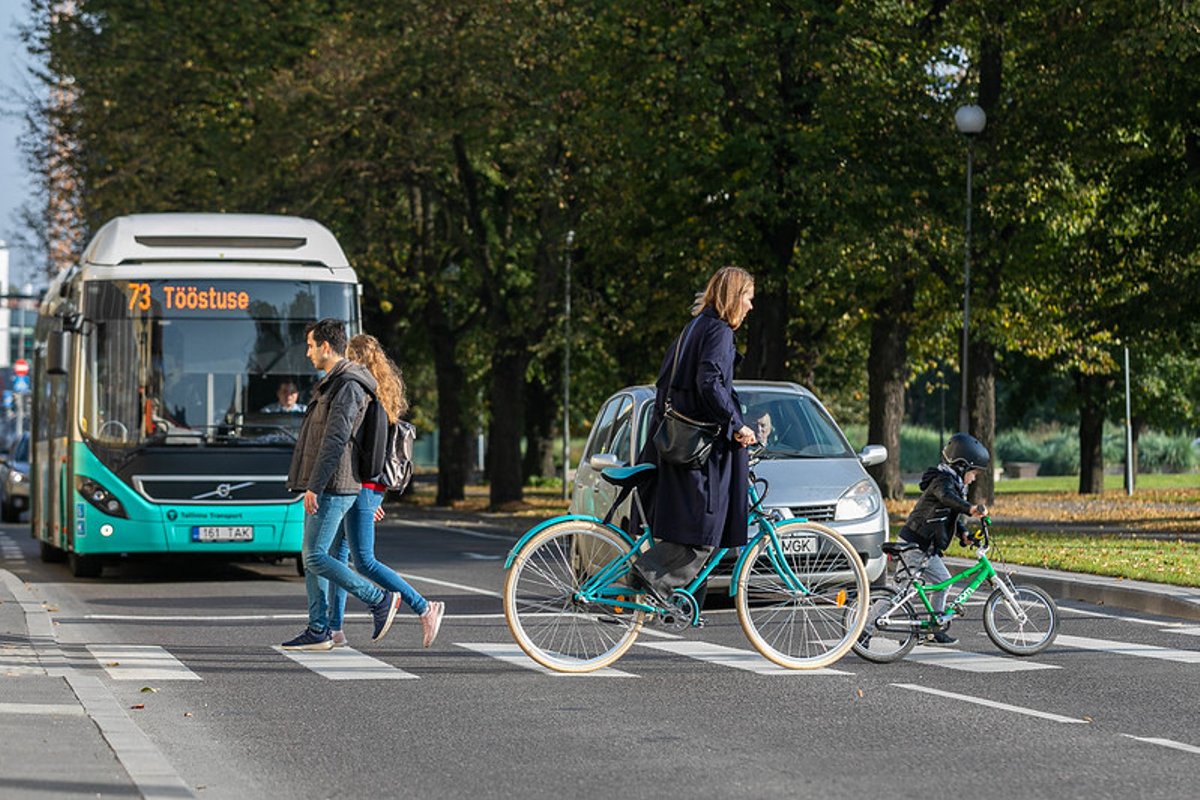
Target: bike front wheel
x=883 y=645
x=799 y=603
x=1023 y=625
x=543 y=607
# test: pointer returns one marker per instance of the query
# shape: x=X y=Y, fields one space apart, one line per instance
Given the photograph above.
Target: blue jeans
x=320 y=570
x=357 y=538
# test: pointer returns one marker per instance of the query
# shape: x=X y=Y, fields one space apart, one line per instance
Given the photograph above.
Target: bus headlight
x=859 y=501
x=99 y=497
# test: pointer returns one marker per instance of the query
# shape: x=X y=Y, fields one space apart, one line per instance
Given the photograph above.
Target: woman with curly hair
x=359 y=530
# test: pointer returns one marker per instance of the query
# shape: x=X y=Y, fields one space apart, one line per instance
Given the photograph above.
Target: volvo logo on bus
x=223 y=490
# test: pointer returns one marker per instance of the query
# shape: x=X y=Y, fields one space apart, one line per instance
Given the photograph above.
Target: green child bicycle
x=568 y=604
x=1021 y=620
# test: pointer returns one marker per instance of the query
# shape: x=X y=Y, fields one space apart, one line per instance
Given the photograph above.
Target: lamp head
x=970 y=120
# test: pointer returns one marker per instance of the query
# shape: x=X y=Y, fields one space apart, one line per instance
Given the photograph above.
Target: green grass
x=1175 y=562
x=1070 y=483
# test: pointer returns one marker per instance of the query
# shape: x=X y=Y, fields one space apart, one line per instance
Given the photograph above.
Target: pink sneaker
x=339 y=639
x=431 y=621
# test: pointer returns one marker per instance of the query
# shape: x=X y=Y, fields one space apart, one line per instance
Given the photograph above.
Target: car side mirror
x=602 y=461
x=873 y=454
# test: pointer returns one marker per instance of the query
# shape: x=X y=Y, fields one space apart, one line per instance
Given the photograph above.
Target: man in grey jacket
x=324 y=468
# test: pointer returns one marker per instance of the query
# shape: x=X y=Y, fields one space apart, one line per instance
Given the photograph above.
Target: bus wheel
x=84 y=566
x=51 y=554
x=300 y=566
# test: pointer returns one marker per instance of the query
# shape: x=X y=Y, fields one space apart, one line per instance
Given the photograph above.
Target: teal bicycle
x=570 y=608
x=1021 y=620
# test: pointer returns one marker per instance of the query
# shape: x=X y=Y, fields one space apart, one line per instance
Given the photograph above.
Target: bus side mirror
x=58 y=350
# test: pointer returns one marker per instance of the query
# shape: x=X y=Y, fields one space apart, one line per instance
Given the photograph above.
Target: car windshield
x=21 y=451
x=792 y=425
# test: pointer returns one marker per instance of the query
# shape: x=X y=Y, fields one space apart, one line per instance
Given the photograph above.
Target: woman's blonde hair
x=724 y=294
x=366 y=350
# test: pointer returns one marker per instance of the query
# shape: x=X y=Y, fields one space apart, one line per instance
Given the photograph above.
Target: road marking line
x=436 y=582
x=747 y=660
x=132 y=662
x=20 y=659
x=1130 y=649
x=511 y=654
x=1187 y=748
x=345 y=664
x=1192 y=630
x=992 y=704
x=1121 y=617
x=451 y=529
x=43 y=709
x=972 y=662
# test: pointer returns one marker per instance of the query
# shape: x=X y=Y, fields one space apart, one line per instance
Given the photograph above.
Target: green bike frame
x=982 y=572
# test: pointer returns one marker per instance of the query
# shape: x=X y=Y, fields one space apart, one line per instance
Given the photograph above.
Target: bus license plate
x=800 y=545
x=223 y=533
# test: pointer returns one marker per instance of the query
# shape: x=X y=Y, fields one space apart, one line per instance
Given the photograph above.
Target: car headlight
x=15 y=477
x=859 y=501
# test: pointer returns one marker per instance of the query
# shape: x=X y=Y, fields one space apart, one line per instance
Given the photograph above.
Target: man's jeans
x=320 y=568
x=357 y=538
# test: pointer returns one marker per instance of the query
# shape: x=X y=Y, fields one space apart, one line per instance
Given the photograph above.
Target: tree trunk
x=454 y=438
x=887 y=367
x=766 y=346
x=1093 y=391
x=540 y=415
x=982 y=410
x=507 y=398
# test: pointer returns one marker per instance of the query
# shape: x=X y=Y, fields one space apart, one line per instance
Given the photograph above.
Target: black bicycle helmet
x=964 y=452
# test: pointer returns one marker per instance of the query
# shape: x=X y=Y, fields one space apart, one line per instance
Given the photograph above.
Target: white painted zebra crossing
x=152 y=663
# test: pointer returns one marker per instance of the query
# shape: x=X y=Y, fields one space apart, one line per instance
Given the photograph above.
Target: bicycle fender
x=535 y=530
x=737 y=568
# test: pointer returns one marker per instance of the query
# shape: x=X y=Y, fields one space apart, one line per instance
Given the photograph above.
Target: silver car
x=14 y=481
x=810 y=468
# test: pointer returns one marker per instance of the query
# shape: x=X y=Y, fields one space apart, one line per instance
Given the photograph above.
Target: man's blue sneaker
x=384 y=612
x=310 y=640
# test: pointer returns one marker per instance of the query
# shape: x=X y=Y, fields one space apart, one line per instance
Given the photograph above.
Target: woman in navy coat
x=698 y=510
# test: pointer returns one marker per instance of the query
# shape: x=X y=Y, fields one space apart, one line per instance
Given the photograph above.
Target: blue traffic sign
x=20 y=384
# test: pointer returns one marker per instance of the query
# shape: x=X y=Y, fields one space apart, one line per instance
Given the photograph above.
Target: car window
x=603 y=429
x=622 y=436
x=22 y=450
x=644 y=424
x=798 y=426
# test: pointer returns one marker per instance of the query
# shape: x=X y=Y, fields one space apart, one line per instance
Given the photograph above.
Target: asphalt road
x=1108 y=711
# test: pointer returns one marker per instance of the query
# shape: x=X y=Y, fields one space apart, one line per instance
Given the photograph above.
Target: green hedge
x=1056 y=450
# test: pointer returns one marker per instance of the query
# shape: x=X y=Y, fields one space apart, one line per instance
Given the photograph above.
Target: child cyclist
x=937 y=516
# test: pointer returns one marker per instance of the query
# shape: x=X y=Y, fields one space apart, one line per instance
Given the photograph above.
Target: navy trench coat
x=706 y=506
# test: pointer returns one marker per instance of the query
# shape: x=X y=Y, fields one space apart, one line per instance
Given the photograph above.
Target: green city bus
x=157 y=361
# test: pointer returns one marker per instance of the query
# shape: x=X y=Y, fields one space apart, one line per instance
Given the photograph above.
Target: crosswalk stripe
x=967 y=661
x=128 y=662
x=1170 y=743
x=748 y=660
x=19 y=659
x=345 y=664
x=511 y=654
x=1189 y=630
x=1130 y=649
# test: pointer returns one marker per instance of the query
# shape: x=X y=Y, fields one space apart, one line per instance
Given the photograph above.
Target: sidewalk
x=64 y=733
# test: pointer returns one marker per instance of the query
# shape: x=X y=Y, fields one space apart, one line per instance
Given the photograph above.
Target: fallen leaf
x=52 y=609
x=187 y=713
x=145 y=689
x=860 y=692
x=138 y=705
x=113 y=664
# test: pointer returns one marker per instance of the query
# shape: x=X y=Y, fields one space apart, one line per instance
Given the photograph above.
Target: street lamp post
x=566 y=440
x=970 y=121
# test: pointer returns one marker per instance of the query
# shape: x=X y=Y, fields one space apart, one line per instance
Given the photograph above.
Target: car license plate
x=223 y=533
x=800 y=545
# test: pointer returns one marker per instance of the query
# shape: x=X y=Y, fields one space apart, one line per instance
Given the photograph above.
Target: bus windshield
x=199 y=362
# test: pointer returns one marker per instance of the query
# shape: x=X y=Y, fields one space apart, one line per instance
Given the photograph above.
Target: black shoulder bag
x=681 y=440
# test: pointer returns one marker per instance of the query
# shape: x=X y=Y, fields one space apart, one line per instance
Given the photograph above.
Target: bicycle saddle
x=896 y=548
x=628 y=476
